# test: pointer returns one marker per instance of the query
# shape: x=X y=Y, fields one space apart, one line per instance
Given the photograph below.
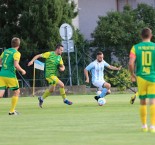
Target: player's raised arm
x=110 y=66
x=114 y=68
x=34 y=58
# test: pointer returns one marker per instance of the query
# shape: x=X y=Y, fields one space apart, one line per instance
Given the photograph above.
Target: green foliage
x=119 y=31
x=146 y=14
x=36 y=22
x=119 y=79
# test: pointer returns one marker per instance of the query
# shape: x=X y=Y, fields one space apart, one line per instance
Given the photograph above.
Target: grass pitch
x=83 y=123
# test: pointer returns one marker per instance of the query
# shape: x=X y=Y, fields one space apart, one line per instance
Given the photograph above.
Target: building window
x=122 y=3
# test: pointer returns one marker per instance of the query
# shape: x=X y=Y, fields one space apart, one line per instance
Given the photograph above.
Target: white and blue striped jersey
x=97 y=70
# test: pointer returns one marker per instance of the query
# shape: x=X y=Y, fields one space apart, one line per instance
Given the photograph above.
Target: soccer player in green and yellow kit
x=53 y=63
x=10 y=62
x=142 y=60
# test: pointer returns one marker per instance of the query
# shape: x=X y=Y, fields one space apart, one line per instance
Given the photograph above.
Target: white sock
x=144 y=126
x=152 y=127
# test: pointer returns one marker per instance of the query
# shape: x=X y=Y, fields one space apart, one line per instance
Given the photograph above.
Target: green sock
x=62 y=93
x=143 y=114
x=14 y=103
x=46 y=94
x=152 y=112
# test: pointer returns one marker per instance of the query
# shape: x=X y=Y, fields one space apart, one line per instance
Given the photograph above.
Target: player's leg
x=109 y=92
x=63 y=93
x=104 y=87
x=52 y=81
x=2 y=93
x=152 y=114
x=99 y=85
x=142 y=91
x=143 y=114
x=13 y=84
x=2 y=87
x=47 y=93
x=14 y=102
x=151 y=96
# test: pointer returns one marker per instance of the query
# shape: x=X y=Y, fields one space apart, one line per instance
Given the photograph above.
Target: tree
x=37 y=23
x=118 y=31
x=146 y=14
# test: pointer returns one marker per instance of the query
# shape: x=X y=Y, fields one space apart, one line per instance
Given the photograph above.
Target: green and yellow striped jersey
x=144 y=53
x=52 y=63
x=8 y=57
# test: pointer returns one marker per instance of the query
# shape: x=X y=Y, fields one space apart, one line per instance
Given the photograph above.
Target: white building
x=90 y=10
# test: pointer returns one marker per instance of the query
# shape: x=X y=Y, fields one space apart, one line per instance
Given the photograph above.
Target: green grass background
x=83 y=123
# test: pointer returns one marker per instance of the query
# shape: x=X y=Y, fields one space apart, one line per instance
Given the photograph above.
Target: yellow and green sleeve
x=132 y=52
x=17 y=56
x=1 y=55
x=61 y=62
x=45 y=55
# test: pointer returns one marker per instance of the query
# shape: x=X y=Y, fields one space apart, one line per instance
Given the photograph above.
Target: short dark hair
x=146 y=33
x=15 y=42
x=99 y=53
x=58 y=46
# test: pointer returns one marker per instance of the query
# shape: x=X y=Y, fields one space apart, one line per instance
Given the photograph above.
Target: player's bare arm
x=18 y=67
x=61 y=67
x=114 y=68
x=34 y=58
x=86 y=75
x=132 y=69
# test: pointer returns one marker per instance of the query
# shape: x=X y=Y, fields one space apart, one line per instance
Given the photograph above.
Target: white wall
x=89 y=12
x=149 y=2
x=75 y=21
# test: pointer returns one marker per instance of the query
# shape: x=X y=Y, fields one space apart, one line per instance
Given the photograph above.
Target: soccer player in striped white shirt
x=97 y=71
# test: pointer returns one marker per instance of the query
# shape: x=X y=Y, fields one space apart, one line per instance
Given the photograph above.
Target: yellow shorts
x=11 y=83
x=146 y=89
x=52 y=80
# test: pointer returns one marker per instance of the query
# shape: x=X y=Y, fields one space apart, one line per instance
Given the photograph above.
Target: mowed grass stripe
x=83 y=123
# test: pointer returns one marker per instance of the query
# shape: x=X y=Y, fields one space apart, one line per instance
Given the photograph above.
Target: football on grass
x=101 y=101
